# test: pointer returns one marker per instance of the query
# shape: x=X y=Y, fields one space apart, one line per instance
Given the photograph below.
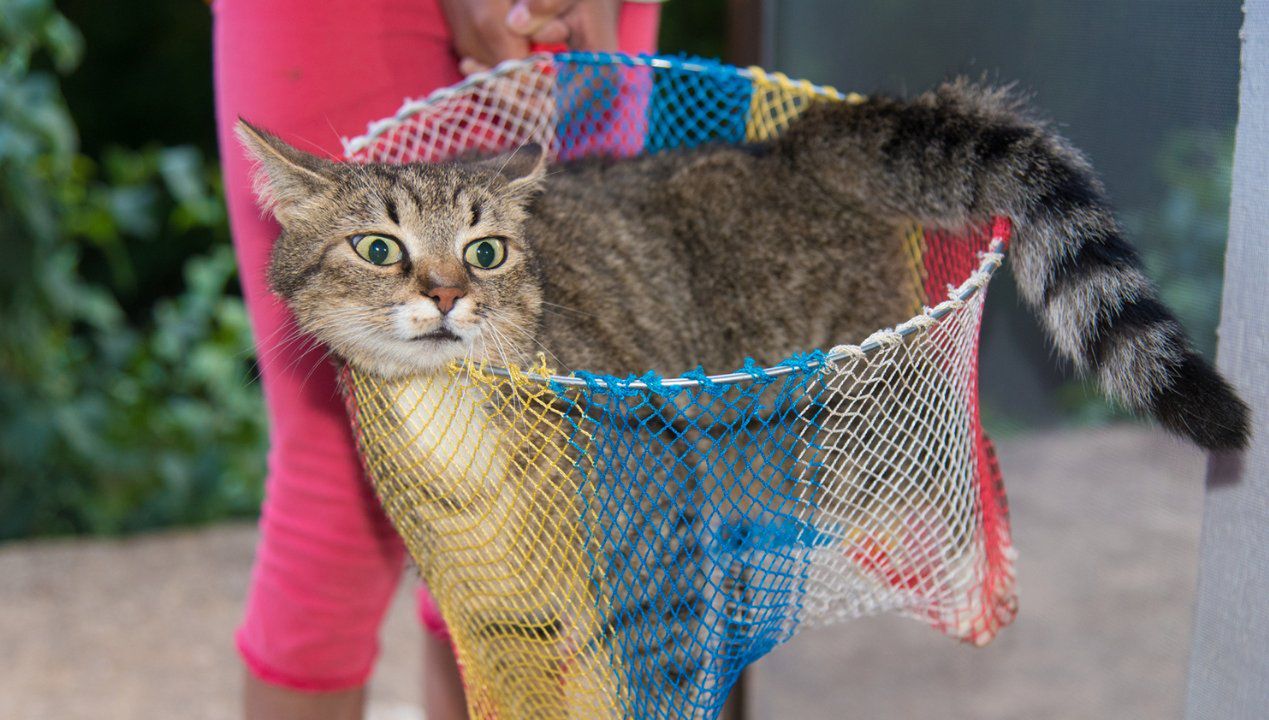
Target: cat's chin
x=422 y=355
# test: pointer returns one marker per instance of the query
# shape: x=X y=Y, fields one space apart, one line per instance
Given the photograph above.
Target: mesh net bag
x=608 y=546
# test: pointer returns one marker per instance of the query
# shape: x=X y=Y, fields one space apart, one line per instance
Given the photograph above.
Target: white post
x=1229 y=654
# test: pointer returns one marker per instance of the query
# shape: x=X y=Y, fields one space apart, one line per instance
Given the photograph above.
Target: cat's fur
x=712 y=255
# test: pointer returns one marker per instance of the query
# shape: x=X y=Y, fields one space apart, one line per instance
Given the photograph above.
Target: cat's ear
x=286 y=180
x=523 y=168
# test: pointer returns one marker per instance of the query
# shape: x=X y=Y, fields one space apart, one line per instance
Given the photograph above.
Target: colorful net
x=623 y=547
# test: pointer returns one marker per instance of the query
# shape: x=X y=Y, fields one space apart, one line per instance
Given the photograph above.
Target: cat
x=712 y=255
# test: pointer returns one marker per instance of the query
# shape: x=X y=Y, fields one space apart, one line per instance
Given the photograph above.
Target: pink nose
x=445 y=297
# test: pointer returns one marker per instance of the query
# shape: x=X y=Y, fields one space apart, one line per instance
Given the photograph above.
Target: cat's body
x=727 y=253
x=707 y=257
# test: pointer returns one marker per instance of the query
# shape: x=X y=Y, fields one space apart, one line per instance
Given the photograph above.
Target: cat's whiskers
x=497 y=337
x=295 y=334
x=275 y=345
x=297 y=343
x=302 y=351
x=306 y=338
x=524 y=334
x=517 y=401
x=299 y=348
x=313 y=368
x=350 y=324
x=502 y=324
x=567 y=308
x=255 y=345
x=310 y=343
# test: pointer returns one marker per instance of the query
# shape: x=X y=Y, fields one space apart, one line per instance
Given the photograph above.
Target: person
x=328 y=561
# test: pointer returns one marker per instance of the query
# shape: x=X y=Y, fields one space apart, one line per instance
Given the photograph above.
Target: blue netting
x=694 y=108
x=607 y=106
x=700 y=498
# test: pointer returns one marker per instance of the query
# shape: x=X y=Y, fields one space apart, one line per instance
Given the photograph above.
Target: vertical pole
x=1229 y=653
x=744 y=32
x=744 y=47
x=737 y=707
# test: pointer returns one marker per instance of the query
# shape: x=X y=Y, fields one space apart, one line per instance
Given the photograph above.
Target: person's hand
x=582 y=24
x=486 y=32
x=480 y=33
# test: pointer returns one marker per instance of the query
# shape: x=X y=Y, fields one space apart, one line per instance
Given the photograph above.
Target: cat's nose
x=445 y=297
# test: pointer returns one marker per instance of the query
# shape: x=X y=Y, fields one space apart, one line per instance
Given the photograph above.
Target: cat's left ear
x=288 y=182
x=523 y=168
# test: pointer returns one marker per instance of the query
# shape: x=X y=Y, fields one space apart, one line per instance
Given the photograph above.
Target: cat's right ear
x=288 y=182
x=523 y=168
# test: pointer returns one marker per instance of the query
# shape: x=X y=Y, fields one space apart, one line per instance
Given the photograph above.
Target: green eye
x=486 y=254
x=377 y=249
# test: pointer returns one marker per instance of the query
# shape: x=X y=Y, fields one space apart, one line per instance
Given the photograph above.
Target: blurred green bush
x=127 y=398
x=119 y=410
x=1183 y=237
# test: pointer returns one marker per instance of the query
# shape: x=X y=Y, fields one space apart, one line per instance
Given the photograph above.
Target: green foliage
x=1183 y=238
x=119 y=410
x=125 y=358
x=693 y=28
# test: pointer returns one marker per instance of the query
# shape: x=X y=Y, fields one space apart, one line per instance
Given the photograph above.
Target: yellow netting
x=476 y=472
x=777 y=100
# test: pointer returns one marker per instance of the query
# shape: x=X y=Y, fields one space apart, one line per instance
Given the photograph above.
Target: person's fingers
x=555 y=31
x=527 y=17
x=594 y=26
x=492 y=53
x=469 y=66
x=487 y=39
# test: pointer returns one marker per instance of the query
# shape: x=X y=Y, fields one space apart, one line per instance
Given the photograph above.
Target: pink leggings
x=328 y=561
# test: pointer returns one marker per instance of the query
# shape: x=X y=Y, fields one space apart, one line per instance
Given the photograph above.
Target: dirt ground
x=1106 y=524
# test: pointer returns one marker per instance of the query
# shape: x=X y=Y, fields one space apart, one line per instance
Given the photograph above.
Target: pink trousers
x=328 y=561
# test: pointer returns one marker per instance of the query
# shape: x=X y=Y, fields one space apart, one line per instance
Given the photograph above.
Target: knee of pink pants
x=327 y=561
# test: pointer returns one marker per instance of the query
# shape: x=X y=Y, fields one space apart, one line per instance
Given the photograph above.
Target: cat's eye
x=486 y=253
x=377 y=249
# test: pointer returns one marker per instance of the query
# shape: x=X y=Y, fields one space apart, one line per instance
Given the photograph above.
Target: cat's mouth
x=441 y=334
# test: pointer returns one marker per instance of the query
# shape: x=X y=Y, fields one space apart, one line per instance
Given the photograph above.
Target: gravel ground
x=1106 y=524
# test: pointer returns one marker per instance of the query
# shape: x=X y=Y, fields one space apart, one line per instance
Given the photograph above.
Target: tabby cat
x=715 y=254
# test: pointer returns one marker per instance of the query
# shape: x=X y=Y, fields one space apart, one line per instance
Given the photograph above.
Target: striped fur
x=966 y=152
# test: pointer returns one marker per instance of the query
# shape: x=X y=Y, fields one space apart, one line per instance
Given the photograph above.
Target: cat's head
x=400 y=269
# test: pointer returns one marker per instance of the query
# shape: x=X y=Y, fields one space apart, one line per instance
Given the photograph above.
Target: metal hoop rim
x=992 y=259
x=411 y=107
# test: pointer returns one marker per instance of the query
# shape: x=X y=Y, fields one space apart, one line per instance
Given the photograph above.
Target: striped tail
x=966 y=152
